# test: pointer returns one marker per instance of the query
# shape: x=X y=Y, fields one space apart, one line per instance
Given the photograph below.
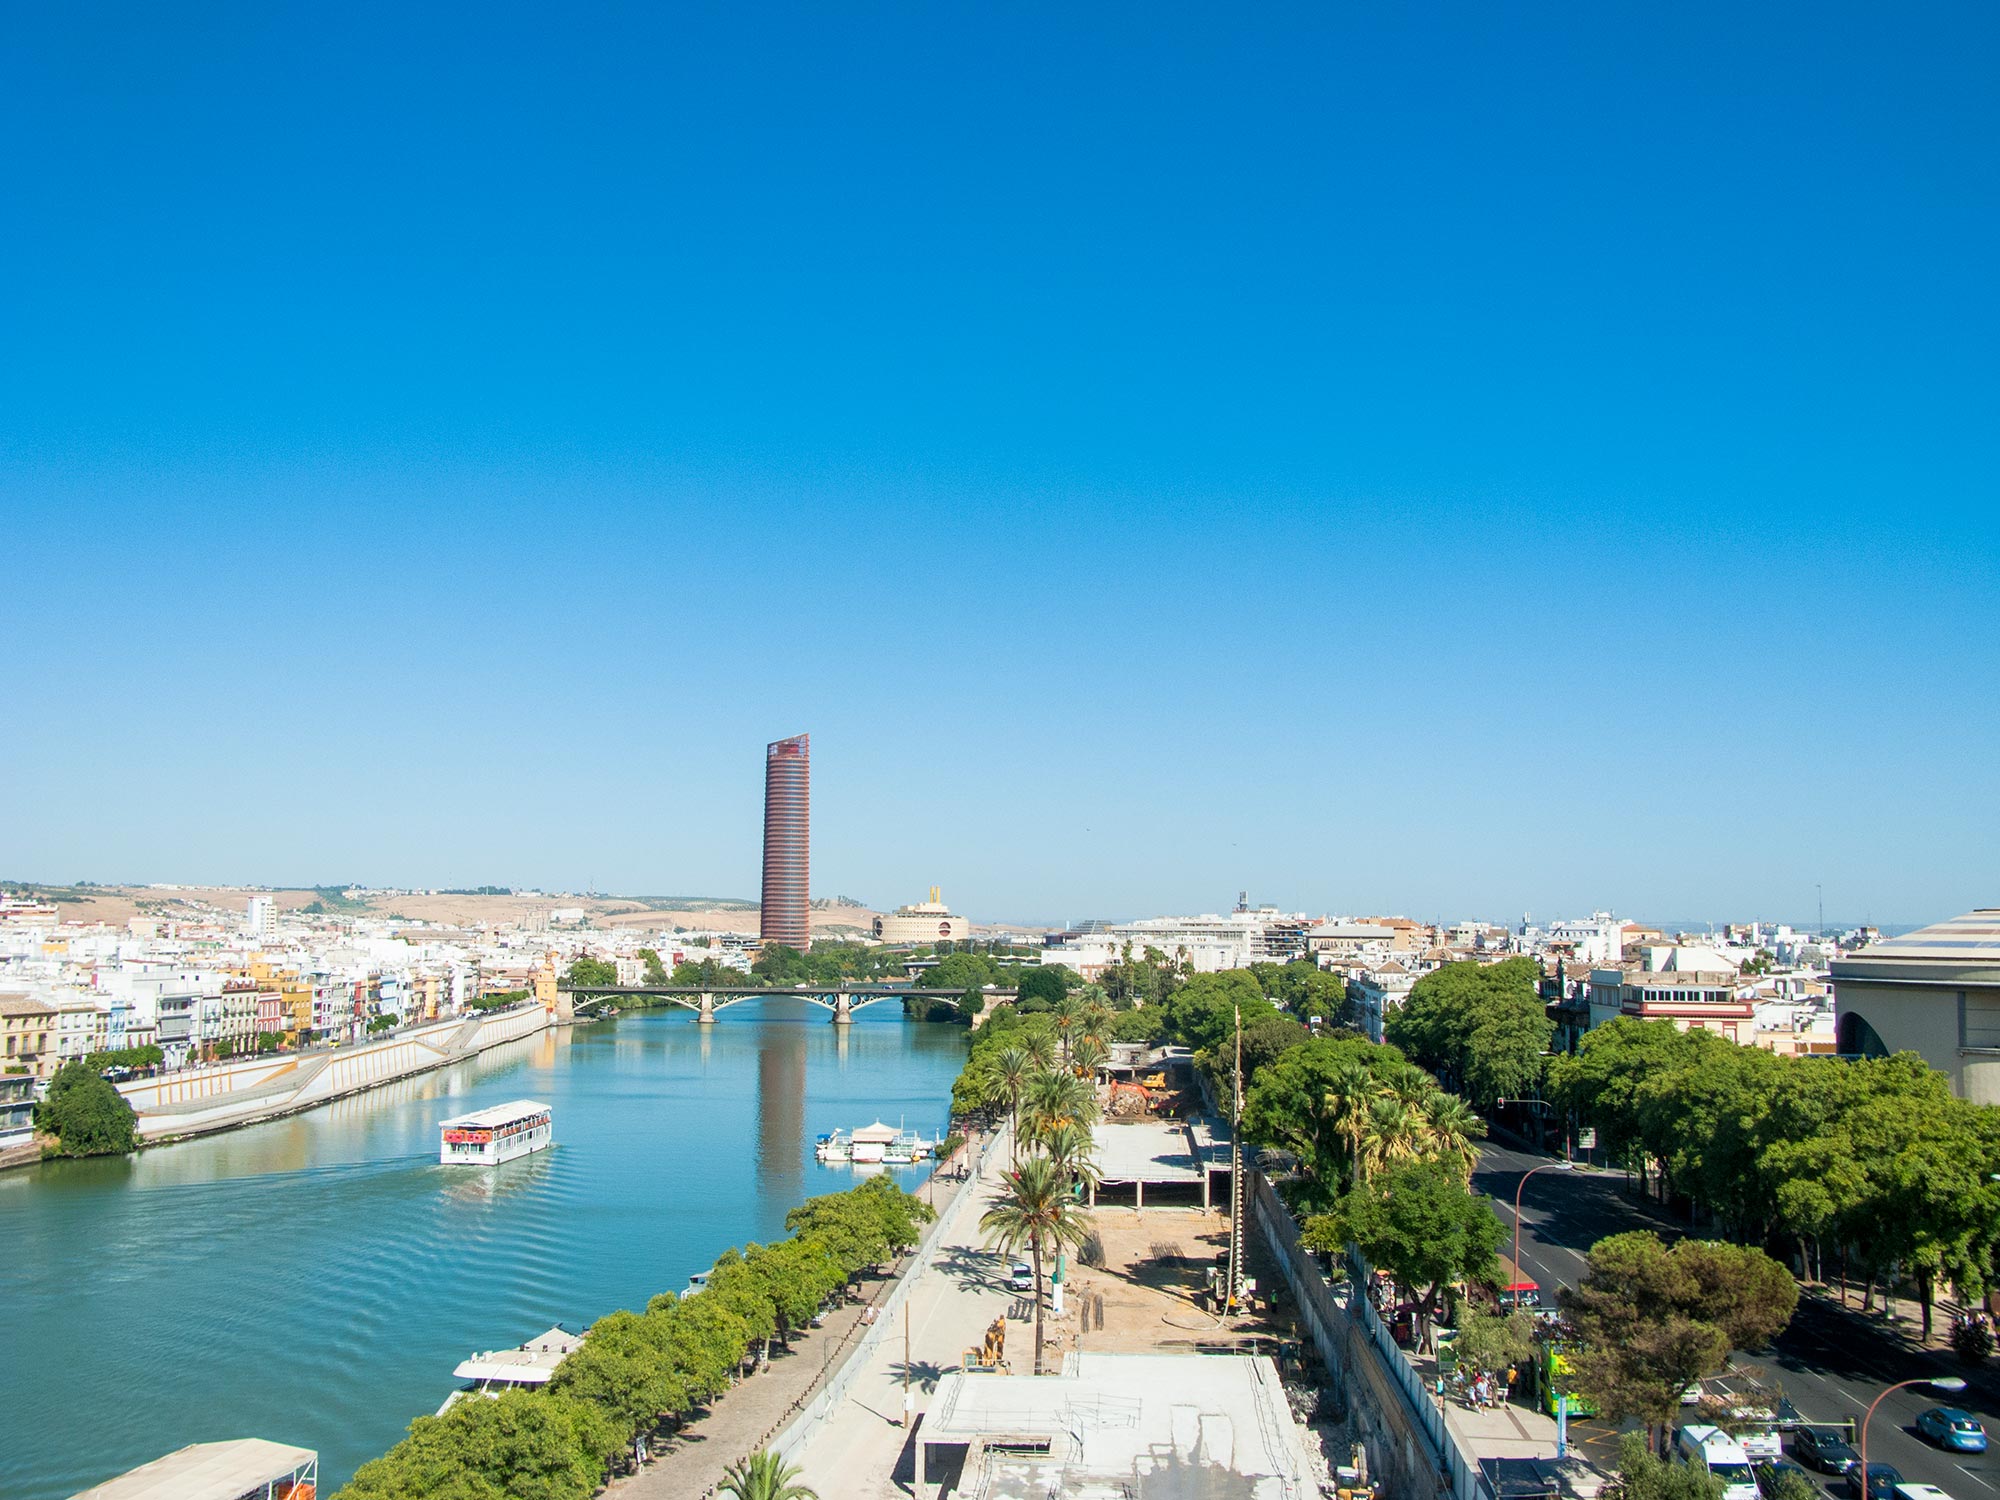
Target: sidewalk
x=863 y=1451
x=1518 y=1430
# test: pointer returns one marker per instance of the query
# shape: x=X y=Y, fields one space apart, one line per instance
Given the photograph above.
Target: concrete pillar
x=843 y=1013
x=920 y=1466
x=1093 y=1195
x=1139 y=1195
x=707 y=1016
x=1207 y=1177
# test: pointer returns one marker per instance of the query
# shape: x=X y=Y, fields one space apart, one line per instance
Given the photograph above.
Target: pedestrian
x=1507 y=1388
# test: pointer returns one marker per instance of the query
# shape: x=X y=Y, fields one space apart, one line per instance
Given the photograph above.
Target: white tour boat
x=488 y=1137
x=833 y=1146
x=523 y=1368
x=871 y=1143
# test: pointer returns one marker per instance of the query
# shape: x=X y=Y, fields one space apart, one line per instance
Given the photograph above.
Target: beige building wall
x=1952 y=1021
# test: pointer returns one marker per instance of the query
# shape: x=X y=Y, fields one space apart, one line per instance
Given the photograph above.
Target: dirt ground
x=1154 y=1274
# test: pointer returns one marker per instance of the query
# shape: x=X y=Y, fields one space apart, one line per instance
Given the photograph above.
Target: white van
x=1722 y=1456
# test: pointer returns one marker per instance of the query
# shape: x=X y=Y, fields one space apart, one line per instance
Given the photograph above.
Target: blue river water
x=314 y=1280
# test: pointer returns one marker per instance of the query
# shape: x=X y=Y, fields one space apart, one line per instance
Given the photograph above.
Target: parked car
x=1824 y=1448
x=1771 y=1473
x=1882 y=1482
x=1950 y=1427
x=1021 y=1278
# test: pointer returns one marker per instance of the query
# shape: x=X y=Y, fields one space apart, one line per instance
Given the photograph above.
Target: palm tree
x=1040 y=1045
x=1057 y=1099
x=1068 y=1013
x=1086 y=1055
x=1096 y=1013
x=1036 y=1209
x=1014 y=1067
x=1391 y=1133
x=1072 y=1147
x=1348 y=1094
x=765 y=1476
x=1454 y=1131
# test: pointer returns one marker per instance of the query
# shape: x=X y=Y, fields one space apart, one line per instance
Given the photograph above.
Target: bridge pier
x=707 y=1016
x=843 y=1010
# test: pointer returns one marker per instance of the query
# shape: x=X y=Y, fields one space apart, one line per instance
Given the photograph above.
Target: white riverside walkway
x=863 y=1452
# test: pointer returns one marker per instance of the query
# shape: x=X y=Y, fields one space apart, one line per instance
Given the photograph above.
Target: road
x=1830 y=1363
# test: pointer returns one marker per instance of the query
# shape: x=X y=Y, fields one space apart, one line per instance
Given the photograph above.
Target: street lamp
x=1547 y=1166
x=1936 y=1383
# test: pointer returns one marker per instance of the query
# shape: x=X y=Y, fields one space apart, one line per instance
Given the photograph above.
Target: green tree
x=1418 y=1221
x=86 y=1115
x=1643 y=1475
x=1312 y=1100
x=1654 y=1319
x=1480 y=1027
x=765 y=1476
x=521 y=1446
x=656 y=971
x=1490 y=1342
x=1042 y=985
x=710 y=974
x=1202 y=1013
x=592 y=973
x=1035 y=1208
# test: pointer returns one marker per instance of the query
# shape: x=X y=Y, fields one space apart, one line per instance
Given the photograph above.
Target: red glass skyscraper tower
x=787 y=839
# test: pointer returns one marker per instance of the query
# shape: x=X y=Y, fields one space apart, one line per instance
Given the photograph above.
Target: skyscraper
x=787 y=839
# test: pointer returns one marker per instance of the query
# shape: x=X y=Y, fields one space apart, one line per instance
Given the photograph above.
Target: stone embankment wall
x=230 y=1094
x=1410 y=1449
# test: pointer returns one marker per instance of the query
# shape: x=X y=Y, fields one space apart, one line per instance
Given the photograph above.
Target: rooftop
x=1974 y=936
x=208 y=1471
x=494 y=1115
x=1168 y=1426
x=24 y=1005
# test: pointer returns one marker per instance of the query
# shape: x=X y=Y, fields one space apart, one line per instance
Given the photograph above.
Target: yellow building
x=27 y=1035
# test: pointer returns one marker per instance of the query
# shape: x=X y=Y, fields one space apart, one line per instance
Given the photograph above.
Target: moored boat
x=524 y=1367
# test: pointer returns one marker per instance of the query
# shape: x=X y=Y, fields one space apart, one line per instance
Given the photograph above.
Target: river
x=314 y=1280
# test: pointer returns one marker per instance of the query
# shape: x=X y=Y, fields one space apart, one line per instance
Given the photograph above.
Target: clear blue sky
x=1453 y=459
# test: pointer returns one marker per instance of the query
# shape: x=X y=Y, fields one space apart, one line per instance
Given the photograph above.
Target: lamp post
x=1547 y=1166
x=1937 y=1383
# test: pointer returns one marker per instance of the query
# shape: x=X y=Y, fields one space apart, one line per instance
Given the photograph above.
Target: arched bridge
x=843 y=1000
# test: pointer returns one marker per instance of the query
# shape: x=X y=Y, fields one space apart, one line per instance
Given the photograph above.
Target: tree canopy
x=1482 y=1028
x=1418 y=1221
x=86 y=1115
x=592 y=973
x=1872 y=1157
x=1655 y=1318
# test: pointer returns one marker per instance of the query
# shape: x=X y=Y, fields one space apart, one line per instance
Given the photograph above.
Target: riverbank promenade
x=863 y=1451
x=751 y=1414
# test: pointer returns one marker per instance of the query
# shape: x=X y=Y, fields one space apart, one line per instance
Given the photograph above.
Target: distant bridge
x=843 y=1000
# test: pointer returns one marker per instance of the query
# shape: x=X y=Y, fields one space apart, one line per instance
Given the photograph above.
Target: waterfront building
x=785 y=916
x=28 y=1028
x=17 y=1110
x=923 y=922
x=1935 y=992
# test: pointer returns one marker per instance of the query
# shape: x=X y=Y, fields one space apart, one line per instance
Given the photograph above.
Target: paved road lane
x=1830 y=1363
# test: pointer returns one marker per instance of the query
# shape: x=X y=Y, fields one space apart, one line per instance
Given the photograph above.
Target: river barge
x=487 y=1137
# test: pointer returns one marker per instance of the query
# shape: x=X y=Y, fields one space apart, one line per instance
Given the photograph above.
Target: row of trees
x=636 y=1374
x=1873 y=1160
x=1045 y=1067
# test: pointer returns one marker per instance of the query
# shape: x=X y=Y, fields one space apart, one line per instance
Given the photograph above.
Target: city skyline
x=1453 y=466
